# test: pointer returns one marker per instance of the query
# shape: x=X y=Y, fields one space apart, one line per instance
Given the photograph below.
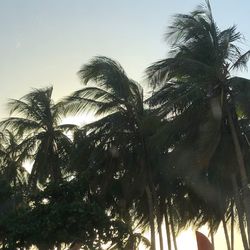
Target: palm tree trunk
x=160 y=233
x=240 y=213
x=226 y=233
x=159 y=224
x=242 y=170
x=168 y=231
x=151 y=197
x=159 y=215
x=172 y=228
x=151 y=216
x=212 y=239
x=232 y=226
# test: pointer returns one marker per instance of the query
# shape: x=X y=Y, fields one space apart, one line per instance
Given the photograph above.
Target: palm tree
x=13 y=178
x=120 y=132
x=12 y=160
x=198 y=96
x=42 y=138
x=11 y=168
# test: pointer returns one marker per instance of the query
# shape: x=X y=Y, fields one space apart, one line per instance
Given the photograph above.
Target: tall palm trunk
x=172 y=226
x=151 y=216
x=240 y=212
x=212 y=239
x=157 y=210
x=159 y=224
x=232 y=225
x=226 y=233
x=242 y=170
x=159 y=207
x=168 y=233
x=150 y=191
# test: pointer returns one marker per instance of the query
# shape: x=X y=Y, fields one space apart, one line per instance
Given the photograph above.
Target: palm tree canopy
x=195 y=88
x=194 y=82
x=199 y=50
x=12 y=160
x=42 y=138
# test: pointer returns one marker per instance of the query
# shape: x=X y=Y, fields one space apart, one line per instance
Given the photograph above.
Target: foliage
x=181 y=156
x=61 y=213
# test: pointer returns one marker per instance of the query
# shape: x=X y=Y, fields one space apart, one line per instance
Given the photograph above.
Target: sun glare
x=186 y=239
x=79 y=120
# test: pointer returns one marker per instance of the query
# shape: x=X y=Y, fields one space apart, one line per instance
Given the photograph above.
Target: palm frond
x=89 y=99
x=20 y=125
x=241 y=62
x=108 y=74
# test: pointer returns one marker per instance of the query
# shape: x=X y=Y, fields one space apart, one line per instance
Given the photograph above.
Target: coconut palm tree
x=35 y=119
x=11 y=168
x=12 y=160
x=120 y=132
x=197 y=93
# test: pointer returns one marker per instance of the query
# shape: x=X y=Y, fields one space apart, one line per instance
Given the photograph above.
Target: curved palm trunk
x=240 y=212
x=242 y=170
x=151 y=216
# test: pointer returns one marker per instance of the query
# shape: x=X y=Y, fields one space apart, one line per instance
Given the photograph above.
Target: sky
x=45 y=42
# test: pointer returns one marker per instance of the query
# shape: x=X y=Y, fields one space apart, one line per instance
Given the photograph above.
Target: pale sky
x=44 y=42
